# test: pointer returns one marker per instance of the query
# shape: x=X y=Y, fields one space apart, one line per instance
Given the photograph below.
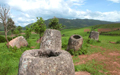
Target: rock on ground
x=18 y=42
x=94 y=35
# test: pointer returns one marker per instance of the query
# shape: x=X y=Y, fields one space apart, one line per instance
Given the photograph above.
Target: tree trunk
x=39 y=36
x=5 y=30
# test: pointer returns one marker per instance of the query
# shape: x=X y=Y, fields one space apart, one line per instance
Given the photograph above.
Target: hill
x=110 y=26
x=107 y=29
x=76 y=23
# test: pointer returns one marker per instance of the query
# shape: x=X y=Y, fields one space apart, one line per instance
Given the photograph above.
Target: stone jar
x=51 y=40
x=46 y=62
x=94 y=35
x=75 y=42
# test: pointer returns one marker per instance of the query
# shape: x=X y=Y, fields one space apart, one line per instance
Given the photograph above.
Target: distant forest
x=76 y=23
x=72 y=23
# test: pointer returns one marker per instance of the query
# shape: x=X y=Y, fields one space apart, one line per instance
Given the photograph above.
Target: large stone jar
x=94 y=35
x=51 y=40
x=75 y=42
x=46 y=62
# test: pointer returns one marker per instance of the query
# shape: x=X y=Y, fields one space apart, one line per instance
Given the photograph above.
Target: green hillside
x=111 y=26
x=77 y=23
x=108 y=29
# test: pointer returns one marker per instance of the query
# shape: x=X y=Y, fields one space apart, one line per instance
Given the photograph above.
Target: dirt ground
x=109 y=59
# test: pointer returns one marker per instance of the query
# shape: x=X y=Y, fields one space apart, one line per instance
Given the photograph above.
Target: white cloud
x=115 y=1
x=24 y=12
x=106 y=16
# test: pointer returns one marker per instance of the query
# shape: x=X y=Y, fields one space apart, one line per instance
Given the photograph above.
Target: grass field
x=101 y=59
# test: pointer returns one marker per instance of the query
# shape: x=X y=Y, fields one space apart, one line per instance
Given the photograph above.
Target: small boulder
x=94 y=35
x=46 y=62
x=18 y=42
x=75 y=42
x=51 y=40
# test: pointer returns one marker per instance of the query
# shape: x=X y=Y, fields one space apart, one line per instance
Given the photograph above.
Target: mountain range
x=71 y=23
x=76 y=23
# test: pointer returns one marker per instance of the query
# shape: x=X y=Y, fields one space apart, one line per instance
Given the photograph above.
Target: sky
x=24 y=12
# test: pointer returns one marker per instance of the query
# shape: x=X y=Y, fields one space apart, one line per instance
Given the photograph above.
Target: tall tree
x=11 y=25
x=27 y=32
x=54 y=24
x=4 y=13
x=39 y=26
x=16 y=32
x=19 y=29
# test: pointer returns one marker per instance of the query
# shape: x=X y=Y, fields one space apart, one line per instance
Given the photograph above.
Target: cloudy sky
x=24 y=12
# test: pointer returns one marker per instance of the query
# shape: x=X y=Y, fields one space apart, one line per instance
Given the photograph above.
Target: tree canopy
x=39 y=26
x=54 y=24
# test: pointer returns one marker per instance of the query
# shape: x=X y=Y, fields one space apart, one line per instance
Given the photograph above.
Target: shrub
x=92 y=41
x=9 y=38
x=79 y=52
x=14 y=49
x=82 y=51
x=2 y=39
x=118 y=42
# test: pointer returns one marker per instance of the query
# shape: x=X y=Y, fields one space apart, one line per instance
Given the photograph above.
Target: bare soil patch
x=33 y=32
x=32 y=47
x=86 y=30
x=109 y=59
x=82 y=73
x=112 y=42
x=22 y=33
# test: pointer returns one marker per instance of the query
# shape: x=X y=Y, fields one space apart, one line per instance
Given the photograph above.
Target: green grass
x=75 y=59
x=115 y=25
x=92 y=67
x=9 y=58
x=116 y=32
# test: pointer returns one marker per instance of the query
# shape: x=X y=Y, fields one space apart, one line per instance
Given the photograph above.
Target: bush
x=14 y=49
x=9 y=38
x=2 y=39
x=79 y=52
x=92 y=41
x=82 y=51
x=118 y=42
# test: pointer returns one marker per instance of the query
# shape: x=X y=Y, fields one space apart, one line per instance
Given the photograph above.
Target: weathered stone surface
x=18 y=42
x=51 y=40
x=75 y=42
x=94 y=35
x=46 y=62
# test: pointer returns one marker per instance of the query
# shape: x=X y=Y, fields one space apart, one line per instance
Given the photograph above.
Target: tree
x=39 y=26
x=27 y=32
x=54 y=24
x=4 y=11
x=16 y=32
x=11 y=25
x=19 y=28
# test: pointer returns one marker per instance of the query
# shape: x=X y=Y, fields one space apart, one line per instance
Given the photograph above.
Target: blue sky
x=24 y=12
